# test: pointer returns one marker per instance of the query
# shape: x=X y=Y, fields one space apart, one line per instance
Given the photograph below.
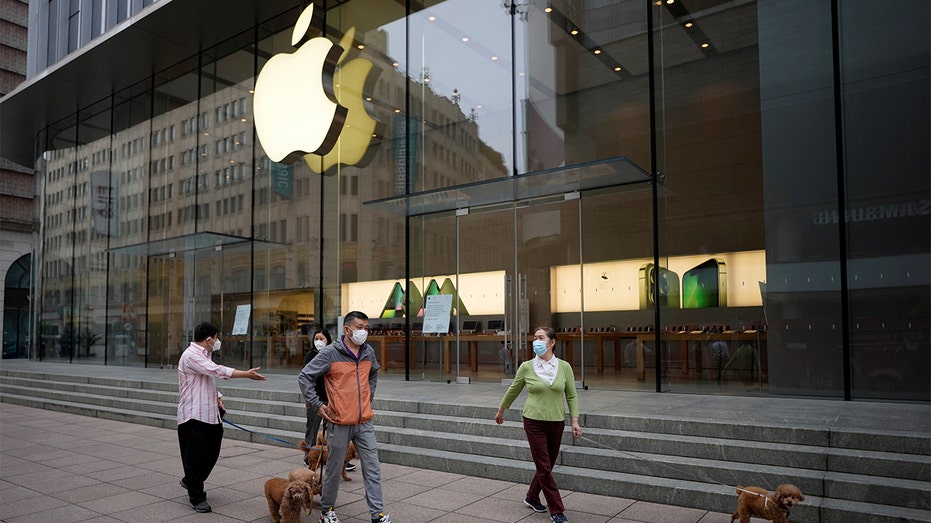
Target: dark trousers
x=200 y=448
x=545 y=437
x=312 y=427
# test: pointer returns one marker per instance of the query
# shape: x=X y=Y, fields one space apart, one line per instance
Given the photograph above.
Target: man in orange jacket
x=349 y=370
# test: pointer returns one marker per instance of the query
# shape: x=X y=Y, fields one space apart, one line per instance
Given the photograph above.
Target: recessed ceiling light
x=465 y=38
x=394 y=64
x=689 y=24
x=670 y=1
x=397 y=110
x=361 y=46
x=597 y=51
x=368 y=98
x=548 y=10
x=618 y=68
x=494 y=57
x=574 y=32
x=704 y=45
x=431 y=18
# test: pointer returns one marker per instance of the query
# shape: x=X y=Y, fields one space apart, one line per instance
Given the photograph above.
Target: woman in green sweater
x=547 y=379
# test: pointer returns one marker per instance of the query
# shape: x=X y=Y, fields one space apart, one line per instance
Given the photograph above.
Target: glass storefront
x=699 y=196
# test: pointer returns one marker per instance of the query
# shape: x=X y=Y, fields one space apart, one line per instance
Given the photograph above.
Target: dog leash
x=704 y=478
x=288 y=443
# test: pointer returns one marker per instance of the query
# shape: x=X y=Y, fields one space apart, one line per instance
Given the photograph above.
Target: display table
x=447 y=341
x=702 y=340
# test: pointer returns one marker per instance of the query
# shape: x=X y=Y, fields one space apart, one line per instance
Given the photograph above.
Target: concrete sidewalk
x=67 y=468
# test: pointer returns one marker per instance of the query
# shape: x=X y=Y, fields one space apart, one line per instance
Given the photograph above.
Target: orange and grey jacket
x=350 y=382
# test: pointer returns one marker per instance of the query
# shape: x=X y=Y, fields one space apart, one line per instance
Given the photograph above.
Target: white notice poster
x=241 y=322
x=436 y=317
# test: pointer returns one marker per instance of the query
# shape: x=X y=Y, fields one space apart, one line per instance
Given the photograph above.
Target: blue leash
x=288 y=443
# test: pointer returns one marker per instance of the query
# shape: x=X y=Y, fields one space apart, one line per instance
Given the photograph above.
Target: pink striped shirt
x=197 y=386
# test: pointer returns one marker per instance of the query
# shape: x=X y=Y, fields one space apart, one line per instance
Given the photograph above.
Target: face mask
x=358 y=336
x=320 y=344
x=216 y=345
x=539 y=347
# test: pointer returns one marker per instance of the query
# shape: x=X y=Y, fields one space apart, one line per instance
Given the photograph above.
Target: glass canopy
x=560 y=180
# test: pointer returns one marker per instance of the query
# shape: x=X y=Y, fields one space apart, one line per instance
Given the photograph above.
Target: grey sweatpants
x=338 y=438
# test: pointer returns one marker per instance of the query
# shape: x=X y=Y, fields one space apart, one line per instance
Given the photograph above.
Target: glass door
x=547 y=280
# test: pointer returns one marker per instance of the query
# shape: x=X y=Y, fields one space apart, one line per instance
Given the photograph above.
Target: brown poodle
x=756 y=502
x=316 y=456
x=311 y=477
x=287 y=498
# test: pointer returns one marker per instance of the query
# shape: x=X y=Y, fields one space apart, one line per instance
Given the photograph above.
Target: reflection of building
x=543 y=147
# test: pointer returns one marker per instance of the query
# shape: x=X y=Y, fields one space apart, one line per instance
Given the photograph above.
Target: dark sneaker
x=183 y=484
x=382 y=518
x=559 y=518
x=536 y=506
x=350 y=467
x=202 y=507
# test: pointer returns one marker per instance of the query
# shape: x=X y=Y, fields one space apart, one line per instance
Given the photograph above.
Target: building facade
x=18 y=224
x=699 y=196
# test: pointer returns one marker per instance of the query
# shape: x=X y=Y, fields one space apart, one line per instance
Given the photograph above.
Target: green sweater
x=544 y=402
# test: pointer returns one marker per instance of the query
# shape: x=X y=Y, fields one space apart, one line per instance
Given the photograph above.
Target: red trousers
x=545 y=437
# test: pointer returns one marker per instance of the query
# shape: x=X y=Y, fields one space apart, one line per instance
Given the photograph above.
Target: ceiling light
x=574 y=32
x=494 y=57
x=397 y=110
x=689 y=24
x=361 y=46
x=431 y=18
x=618 y=68
x=597 y=51
x=368 y=98
x=704 y=45
x=394 y=64
x=548 y=10
x=465 y=38
x=670 y=1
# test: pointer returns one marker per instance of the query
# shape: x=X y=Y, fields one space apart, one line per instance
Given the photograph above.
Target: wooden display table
x=701 y=339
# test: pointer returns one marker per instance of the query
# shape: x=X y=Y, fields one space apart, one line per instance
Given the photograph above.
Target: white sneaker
x=382 y=518
x=329 y=516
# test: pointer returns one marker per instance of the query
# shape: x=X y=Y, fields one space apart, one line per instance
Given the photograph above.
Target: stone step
x=670 y=461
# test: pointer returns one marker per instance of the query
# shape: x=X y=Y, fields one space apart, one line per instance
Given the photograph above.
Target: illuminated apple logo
x=296 y=112
x=352 y=80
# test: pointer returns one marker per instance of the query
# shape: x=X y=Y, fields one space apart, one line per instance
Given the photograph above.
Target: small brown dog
x=311 y=477
x=287 y=498
x=315 y=457
x=756 y=502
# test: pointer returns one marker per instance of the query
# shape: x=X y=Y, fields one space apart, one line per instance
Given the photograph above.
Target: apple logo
x=351 y=81
x=295 y=110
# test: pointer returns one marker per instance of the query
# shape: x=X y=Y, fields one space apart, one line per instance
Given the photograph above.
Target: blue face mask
x=539 y=347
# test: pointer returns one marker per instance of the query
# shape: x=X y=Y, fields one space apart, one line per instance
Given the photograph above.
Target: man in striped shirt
x=200 y=429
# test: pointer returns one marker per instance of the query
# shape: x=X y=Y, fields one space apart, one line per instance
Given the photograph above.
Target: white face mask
x=358 y=336
x=216 y=345
x=320 y=344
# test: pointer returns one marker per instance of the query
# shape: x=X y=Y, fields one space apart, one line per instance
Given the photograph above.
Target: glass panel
x=97 y=198
x=885 y=61
x=547 y=236
x=716 y=246
x=482 y=350
x=128 y=170
x=582 y=83
x=56 y=318
x=460 y=68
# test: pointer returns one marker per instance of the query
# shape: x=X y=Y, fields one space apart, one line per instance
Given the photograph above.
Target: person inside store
x=550 y=385
x=321 y=339
x=200 y=410
x=349 y=369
